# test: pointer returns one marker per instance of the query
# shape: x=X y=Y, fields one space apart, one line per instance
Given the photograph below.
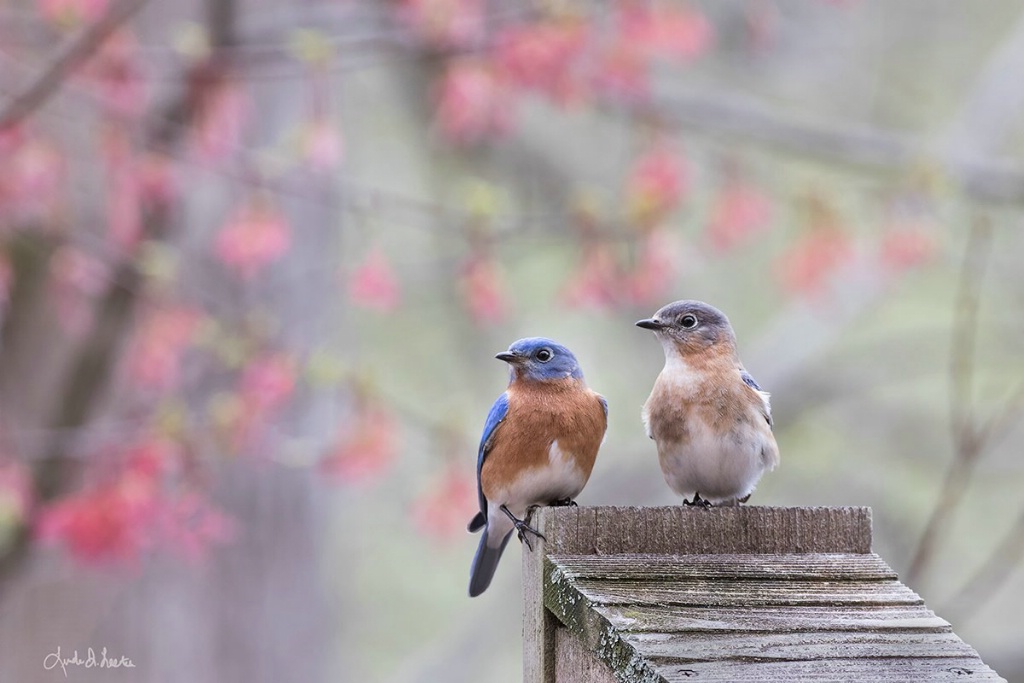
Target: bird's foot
x=698 y=502
x=522 y=528
x=564 y=502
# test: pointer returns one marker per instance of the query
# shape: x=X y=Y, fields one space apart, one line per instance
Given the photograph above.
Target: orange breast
x=538 y=415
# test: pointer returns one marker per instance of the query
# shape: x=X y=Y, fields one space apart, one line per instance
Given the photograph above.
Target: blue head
x=538 y=359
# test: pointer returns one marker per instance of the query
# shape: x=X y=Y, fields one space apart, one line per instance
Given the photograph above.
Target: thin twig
x=997 y=569
x=990 y=577
x=968 y=441
x=79 y=49
x=858 y=147
x=1000 y=423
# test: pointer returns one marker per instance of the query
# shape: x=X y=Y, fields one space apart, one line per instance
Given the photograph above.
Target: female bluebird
x=538 y=447
x=711 y=422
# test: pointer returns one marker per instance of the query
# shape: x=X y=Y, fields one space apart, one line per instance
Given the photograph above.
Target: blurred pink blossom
x=158 y=183
x=473 y=103
x=366 y=446
x=77 y=269
x=152 y=459
x=267 y=383
x=124 y=213
x=807 y=266
x=76 y=277
x=111 y=523
x=255 y=235
x=444 y=24
x=738 y=212
x=597 y=283
x=482 y=289
x=11 y=138
x=163 y=335
x=622 y=73
x=322 y=146
x=656 y=184
x=545 y=57
x=141 y=507
x=373 y=284
x=31 y=176
x=655 y=270
x=441 y=511
x=908 y=245
x=115 y=74
x=72 y=12
x=663 y=30
x=222 y=110
x=190 y=525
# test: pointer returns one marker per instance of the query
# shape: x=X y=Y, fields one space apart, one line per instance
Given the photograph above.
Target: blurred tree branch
x=92 y=366
x=994 y=572
x=861 y=146
x=970 y=439
x=76 y=51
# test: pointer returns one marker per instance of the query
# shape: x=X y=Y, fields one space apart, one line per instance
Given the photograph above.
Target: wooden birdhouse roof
x=727 y=594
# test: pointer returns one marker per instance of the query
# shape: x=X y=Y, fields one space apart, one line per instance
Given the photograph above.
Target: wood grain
x=786 y=566
x=652 y=595
x=779 y=618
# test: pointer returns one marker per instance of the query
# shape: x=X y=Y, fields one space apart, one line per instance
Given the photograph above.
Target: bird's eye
x=688 y=322
x=544 y=355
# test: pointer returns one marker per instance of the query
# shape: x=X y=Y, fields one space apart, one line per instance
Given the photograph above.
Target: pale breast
x=710 y=430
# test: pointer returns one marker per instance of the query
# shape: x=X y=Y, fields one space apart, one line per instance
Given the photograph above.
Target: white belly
x=559 y=478
x=719 y=469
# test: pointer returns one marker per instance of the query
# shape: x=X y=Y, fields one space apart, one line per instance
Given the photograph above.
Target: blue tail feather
x=485 y=562
x=477 y=523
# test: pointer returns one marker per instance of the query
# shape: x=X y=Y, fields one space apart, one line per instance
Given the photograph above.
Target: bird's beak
x=508 y=357
x=650 y=324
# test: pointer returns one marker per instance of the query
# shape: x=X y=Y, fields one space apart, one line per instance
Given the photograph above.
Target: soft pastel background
x=256 y=257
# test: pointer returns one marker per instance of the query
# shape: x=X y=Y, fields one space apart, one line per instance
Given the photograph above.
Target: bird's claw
x=564 y=502
x=522 y=531
x=698 y=502
x=522 y=528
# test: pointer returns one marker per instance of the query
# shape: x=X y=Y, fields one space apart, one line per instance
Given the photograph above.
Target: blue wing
x=752 y=383
x=494 y=418
x=749 y=381
x=604 y=404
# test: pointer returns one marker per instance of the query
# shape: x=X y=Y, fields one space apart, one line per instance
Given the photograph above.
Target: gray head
x=540 y=359
x=692 y=325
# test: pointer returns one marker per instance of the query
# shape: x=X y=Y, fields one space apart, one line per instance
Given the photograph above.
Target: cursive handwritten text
x=55 y=659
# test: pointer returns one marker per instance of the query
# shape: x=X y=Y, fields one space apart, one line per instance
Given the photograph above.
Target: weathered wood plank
x=734 y=594
x=594 y=632
x=575 y=663
x=899 y=669
x=796 y=566
x=538 y=623
x=806 y=645
x=658 y=619
x=685 y=530
x=744 y=593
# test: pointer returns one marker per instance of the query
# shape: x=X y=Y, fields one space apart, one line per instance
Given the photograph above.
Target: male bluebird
x=709 y=418
x=538 y=447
